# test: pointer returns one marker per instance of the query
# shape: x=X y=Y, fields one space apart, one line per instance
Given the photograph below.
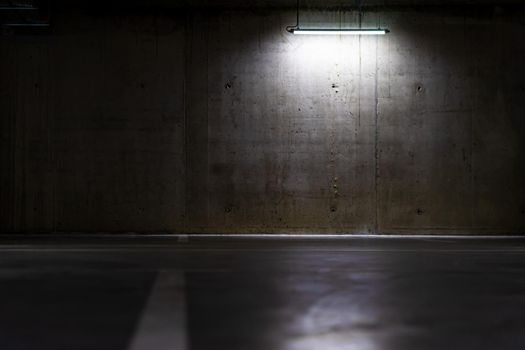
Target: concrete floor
x=202 y=293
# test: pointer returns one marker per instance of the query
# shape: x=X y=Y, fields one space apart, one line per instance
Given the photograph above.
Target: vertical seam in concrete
x=376 y=141
x=207 y=188
x=50 y=128
x=196 y=128
x=184 y=108
x=359 y=85
x=15 y=140
x=12 y=129
x=473 y=101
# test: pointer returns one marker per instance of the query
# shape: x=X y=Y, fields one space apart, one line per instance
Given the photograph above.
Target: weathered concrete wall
x=223 y=122
x=94 y=136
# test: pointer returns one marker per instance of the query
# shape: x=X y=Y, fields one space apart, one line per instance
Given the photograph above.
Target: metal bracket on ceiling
x=19 y=15
x=291 y=29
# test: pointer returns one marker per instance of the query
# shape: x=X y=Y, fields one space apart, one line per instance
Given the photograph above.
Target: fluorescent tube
x=339 y=31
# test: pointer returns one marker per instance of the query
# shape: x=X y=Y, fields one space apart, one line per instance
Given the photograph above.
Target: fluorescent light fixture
x=298 y=31
x=25 y=25
x=17 y=8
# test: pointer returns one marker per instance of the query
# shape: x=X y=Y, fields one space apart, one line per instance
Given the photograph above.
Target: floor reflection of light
x=335 y=307
x=337 y=321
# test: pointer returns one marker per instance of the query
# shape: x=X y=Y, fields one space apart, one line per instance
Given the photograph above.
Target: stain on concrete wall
x=224 y=122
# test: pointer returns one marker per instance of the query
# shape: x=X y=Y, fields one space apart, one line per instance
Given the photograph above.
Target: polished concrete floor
x=210 y=293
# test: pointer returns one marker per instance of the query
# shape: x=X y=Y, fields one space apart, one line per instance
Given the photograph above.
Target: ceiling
x=246 y=4
x=292 y=3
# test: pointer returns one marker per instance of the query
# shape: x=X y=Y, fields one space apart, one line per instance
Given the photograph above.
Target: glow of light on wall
x=317 y=53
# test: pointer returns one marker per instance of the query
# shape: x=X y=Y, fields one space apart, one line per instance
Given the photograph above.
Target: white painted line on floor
x=163 y=322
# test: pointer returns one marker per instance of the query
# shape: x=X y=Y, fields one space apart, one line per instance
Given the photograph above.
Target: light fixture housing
x=299 y=31
x=23 y=25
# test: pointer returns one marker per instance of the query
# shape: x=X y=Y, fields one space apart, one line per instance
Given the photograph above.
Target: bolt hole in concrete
x=420 y=211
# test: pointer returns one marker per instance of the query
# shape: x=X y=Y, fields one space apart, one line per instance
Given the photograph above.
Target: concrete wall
x=223 y=122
